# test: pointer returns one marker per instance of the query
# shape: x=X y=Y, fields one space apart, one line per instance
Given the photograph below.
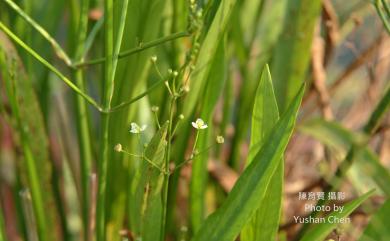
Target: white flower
x=199 y=124
x=136 y=129
x=153 y=58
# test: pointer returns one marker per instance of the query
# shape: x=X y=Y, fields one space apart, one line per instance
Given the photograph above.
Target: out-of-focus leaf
x=199 y=174
x=339 y=138
x=227 y=222
x=292 y=52
x=34 y=128
x=206 y=54
x=264 y=223
x=321 y=230
x=146 y=189
x=378 y=227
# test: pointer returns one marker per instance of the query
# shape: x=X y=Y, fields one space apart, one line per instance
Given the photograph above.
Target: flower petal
x=194 y=125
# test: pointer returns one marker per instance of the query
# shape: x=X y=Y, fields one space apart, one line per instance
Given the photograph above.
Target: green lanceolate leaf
x=146 y=190
x=265 y=222
x=378 y=227
x=199 y=174
x=340 y=139
x=227 y=222
x=292 y=54
x=320 y=231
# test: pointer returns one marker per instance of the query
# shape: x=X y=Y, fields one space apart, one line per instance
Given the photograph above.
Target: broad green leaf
x=292 y=52
x=146 y=190
x=378 y=227
x=321 y=230
x=335 y=136
x=32 y=135
x=265 y=222
x=199 y=174
x=226 y=223
x=265 y=34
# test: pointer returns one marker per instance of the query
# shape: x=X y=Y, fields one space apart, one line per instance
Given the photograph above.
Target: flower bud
x=118 y=147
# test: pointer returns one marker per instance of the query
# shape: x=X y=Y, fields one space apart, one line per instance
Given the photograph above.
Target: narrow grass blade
x=378 y=227
x=227 y=222
x=265 y=222
x=291 y=55
x=340 y=139
x=320 y=231
x=146 y=190
x=199 y=174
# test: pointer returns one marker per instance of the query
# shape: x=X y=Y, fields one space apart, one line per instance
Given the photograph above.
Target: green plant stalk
x=57 y=48
x=108 y=89
x=167 y=159
x=32 y=170
x=2 y=227
x=82 y=116
x=379 y=112
x=18 y=41
x=136 y=50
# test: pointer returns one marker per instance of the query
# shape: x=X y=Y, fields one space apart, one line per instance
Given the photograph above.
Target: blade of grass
x=320 y=231
x=378 y=227
x=265 y=222
x=57 y=48
x=18 y=41
x=227 y=222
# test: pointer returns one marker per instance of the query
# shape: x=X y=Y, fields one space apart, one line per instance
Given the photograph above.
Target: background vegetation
x=99 y=138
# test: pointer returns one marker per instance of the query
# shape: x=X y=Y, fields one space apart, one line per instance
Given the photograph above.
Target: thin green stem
x=49 y=66
x=91 y=38
x=108 y=88
x=140 y=96
x=57 y=48
x=135 y=50
x=167 y=160
x=82 y=117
